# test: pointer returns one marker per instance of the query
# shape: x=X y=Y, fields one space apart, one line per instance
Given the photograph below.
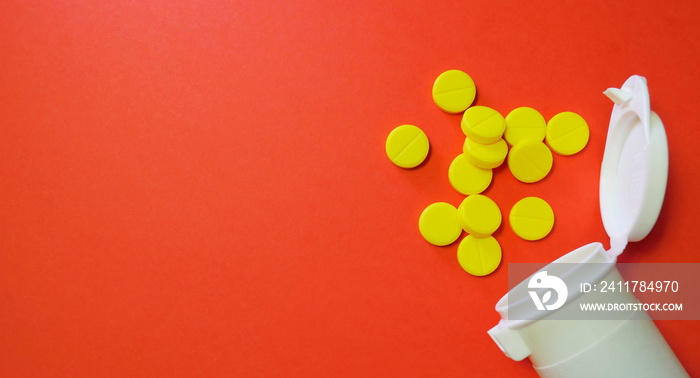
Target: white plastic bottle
x=632 y=186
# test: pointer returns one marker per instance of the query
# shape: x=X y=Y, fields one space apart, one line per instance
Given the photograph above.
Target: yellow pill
x=483 y=124
x=453 y=91
x=479 y=256
x=487 y=156
x=531 y=218
x=438 y=224
x=479 y=215
x=524 y=123
x=530 y=160
x=567 y=133
x=407 y=146
x=467 y=178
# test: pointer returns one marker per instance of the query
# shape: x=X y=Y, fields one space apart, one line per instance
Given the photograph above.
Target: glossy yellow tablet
x=483 y=124
x=479 y=215
x=567 y=133
x=524 y=123
x=530 y=160
x=479 y=256
x=438 y=224
x=453 y=91
x=407 y=146
x=467 y=178
x=486 y=155
x=531 y=218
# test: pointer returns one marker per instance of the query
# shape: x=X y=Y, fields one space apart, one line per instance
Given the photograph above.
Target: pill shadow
x=475 y=102
x=427 y=159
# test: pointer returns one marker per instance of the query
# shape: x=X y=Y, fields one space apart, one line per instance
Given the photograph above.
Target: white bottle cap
x=634 y=171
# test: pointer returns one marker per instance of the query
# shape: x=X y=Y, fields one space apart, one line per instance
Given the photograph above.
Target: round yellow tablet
x=524 y=123
x=479 y=215
x=530 y=160
x=438 y=224
x=567 y=133
x=531 y=218
x=483 y=124
x=486 y=155
x=479 y=256
x=407 y=146
x=453 y=91
x=467 y=178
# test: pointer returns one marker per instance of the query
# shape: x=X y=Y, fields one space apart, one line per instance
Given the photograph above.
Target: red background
x=199 y=188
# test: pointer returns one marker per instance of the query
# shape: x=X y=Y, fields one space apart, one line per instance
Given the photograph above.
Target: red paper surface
x=199 y=188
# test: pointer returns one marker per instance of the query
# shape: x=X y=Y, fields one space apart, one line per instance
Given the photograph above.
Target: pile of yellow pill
x=523 y=139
